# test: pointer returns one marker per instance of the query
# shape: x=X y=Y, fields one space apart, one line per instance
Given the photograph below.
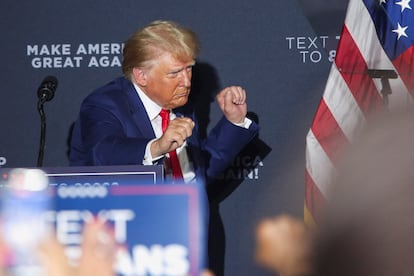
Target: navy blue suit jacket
x=113 y=128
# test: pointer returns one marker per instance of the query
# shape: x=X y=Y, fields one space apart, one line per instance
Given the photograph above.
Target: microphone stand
x=45 y=92
x=42 y=114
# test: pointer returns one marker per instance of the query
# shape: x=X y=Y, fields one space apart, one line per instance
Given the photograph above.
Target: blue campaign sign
x=161 y=225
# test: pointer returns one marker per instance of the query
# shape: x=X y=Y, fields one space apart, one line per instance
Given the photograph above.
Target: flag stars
x=400 y=31
x=405 y=4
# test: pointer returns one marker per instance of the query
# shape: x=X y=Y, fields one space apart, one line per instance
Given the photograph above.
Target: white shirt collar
x=150 y=106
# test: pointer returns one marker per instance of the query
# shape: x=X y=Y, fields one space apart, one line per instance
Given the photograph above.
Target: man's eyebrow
x=177 y=70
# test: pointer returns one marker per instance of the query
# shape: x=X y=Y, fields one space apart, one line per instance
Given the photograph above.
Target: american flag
x=375 y=56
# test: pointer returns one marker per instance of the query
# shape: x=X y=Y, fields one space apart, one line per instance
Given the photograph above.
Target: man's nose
x=186 y=78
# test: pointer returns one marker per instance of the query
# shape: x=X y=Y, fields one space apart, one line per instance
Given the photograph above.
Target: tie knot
x=165 y=116
x=164 y=113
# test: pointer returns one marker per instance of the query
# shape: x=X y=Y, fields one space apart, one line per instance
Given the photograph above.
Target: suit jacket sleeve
x=224 y=143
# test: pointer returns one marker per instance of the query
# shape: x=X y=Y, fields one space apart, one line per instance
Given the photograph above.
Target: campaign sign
x=160 y=224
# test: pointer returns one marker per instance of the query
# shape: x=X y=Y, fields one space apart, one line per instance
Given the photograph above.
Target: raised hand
x=232 y=102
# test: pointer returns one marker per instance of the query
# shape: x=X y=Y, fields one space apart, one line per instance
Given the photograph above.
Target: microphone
x=47 y=88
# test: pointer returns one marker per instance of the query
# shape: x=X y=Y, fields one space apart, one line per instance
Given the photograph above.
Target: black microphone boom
x=47 y=88
x=45 y=93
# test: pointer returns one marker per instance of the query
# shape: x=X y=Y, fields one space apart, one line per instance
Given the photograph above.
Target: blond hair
x=146 y=44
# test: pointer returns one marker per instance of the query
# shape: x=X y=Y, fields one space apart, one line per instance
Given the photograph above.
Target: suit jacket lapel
x=138 y=112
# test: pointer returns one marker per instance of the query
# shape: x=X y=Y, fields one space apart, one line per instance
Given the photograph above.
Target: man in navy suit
x=119 y=123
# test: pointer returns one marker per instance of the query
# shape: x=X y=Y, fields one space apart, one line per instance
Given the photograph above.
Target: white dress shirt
x=153 y=111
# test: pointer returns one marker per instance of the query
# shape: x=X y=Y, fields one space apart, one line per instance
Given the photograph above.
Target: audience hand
x=98 y=253
x=284 y=245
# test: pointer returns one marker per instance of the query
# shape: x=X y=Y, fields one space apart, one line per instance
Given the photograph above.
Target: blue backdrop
x=279 y=51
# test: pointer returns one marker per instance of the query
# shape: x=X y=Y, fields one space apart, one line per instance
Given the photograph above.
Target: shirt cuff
x=245 y=124
x=148 y=159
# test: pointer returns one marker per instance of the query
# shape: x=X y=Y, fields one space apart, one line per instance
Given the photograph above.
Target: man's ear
x=140 y=76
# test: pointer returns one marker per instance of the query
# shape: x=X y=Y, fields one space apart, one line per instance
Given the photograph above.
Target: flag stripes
x=351 y=95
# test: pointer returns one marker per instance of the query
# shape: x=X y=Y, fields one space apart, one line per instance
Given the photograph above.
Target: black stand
x=42 y=132
x=45 y=93
x=385 y=76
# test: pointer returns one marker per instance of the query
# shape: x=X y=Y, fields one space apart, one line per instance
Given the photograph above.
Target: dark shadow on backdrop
x=222 y=188
x=325 y=16
x=205 y=86
x=320 y=12
x=246 y=162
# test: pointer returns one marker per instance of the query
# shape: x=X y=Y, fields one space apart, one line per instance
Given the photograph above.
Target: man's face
x=168 y=81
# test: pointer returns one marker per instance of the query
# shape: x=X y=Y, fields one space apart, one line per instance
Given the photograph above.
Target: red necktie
x=175 y=164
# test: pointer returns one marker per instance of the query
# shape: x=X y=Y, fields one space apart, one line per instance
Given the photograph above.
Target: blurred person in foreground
x=99 y=250
x=122 y=122
x=98 y=254
x=367 y=225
